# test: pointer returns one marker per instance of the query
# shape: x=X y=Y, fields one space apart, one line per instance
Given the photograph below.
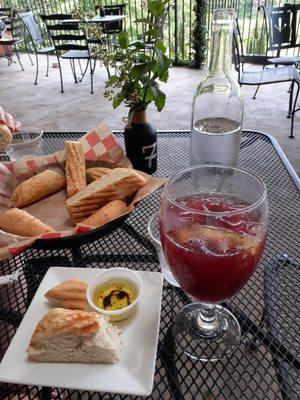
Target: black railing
x=179 y=23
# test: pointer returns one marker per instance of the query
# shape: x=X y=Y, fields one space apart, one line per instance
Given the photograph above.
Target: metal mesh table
x=266 y=365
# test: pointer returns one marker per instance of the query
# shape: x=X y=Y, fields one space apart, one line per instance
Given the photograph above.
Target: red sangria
x=213 y=224
x=212 y=256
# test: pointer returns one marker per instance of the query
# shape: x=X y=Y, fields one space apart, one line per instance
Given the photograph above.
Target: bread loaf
x=75 y=168
x=107 y=213
x=74 y=336
x=20 y=222
x=116 y=185
x=96 y=173
x=36 y=188
x=70 y=294
x=5 y=137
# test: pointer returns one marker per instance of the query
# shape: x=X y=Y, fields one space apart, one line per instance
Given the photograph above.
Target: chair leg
x=61 y=78
x=19 y=58
x=27 y=51
x=254 y=96
x=37 y=68
x=83 y=75
x=80 y=68
x=75 y=75
x=92 y=69
x=72 y=64
x=291 y=99
x=47 y=72
x=294 y=110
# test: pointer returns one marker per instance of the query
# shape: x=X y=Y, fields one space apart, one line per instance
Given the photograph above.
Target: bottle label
x=150 y=152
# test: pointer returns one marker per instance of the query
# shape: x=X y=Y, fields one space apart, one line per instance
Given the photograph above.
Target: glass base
x=203 y=339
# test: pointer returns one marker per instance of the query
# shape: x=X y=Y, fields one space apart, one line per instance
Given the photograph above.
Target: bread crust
x=36 y=188
x=20 y=222
x=115 y=185
x=5 y=137
x=75 y=168
x=60 y=321
x=95 y=173
x=70 y=294
x=110 y=211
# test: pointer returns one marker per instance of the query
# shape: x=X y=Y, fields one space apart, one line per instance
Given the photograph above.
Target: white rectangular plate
x=133 y=374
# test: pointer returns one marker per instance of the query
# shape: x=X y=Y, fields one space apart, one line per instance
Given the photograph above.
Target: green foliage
x=139 y=66
x=200 y=33
x=92 y=31
x=257 y=43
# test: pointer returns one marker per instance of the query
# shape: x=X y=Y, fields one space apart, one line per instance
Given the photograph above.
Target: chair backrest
x=32 y=26
x=238 y=51
x=65 y=36
x=17 y=27
x=282 y=24
x=113 y=9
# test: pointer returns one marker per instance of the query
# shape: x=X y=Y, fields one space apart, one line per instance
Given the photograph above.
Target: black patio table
x=266 y=365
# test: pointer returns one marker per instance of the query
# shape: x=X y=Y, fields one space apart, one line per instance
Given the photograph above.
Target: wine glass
x=153 y=230
x=213 y=226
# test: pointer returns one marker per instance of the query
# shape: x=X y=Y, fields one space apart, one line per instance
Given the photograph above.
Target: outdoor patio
x=194 y=280
x=45 y=107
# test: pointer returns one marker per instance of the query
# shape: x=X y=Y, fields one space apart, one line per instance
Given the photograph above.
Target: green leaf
x=166 y=62
x=123 y=39
x=161 y=46
x=137 y=45
x=113 y=79
x=152 y=33
x=160 y=100
x=165 y=76
x=147 y=94
x=118 y=100
x=139 y=70
x=156 y=7
x=153 y=89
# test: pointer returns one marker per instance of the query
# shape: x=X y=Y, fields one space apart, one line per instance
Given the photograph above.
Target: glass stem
x=208 y=312
x=208 y=321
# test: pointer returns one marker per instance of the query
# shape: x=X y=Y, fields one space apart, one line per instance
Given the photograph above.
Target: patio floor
x=76 y=109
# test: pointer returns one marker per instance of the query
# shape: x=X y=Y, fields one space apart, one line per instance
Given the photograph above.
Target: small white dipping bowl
x=115 y=274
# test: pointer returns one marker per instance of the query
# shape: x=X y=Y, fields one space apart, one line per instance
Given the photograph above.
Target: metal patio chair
x=37 y=39
x=70 y=43
x=16 y=29
x=281 y=27
x=113 y=9
x=267 y=76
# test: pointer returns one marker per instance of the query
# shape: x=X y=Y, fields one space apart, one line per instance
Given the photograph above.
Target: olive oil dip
x=114 y=294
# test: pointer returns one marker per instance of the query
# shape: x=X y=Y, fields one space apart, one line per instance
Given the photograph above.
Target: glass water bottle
x=217 y=113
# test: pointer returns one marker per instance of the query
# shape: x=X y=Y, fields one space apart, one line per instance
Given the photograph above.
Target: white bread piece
x=110 y=211
x=74 y=336
x=96 y=173
x=70 y=294
x=36 y=188
x=20 y=222
x=75 y=168
x=116 y=185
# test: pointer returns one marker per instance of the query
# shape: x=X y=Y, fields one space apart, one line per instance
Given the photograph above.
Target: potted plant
x=139 y=67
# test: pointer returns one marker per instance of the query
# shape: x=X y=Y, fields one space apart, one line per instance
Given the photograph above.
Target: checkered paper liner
x=100 y=149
